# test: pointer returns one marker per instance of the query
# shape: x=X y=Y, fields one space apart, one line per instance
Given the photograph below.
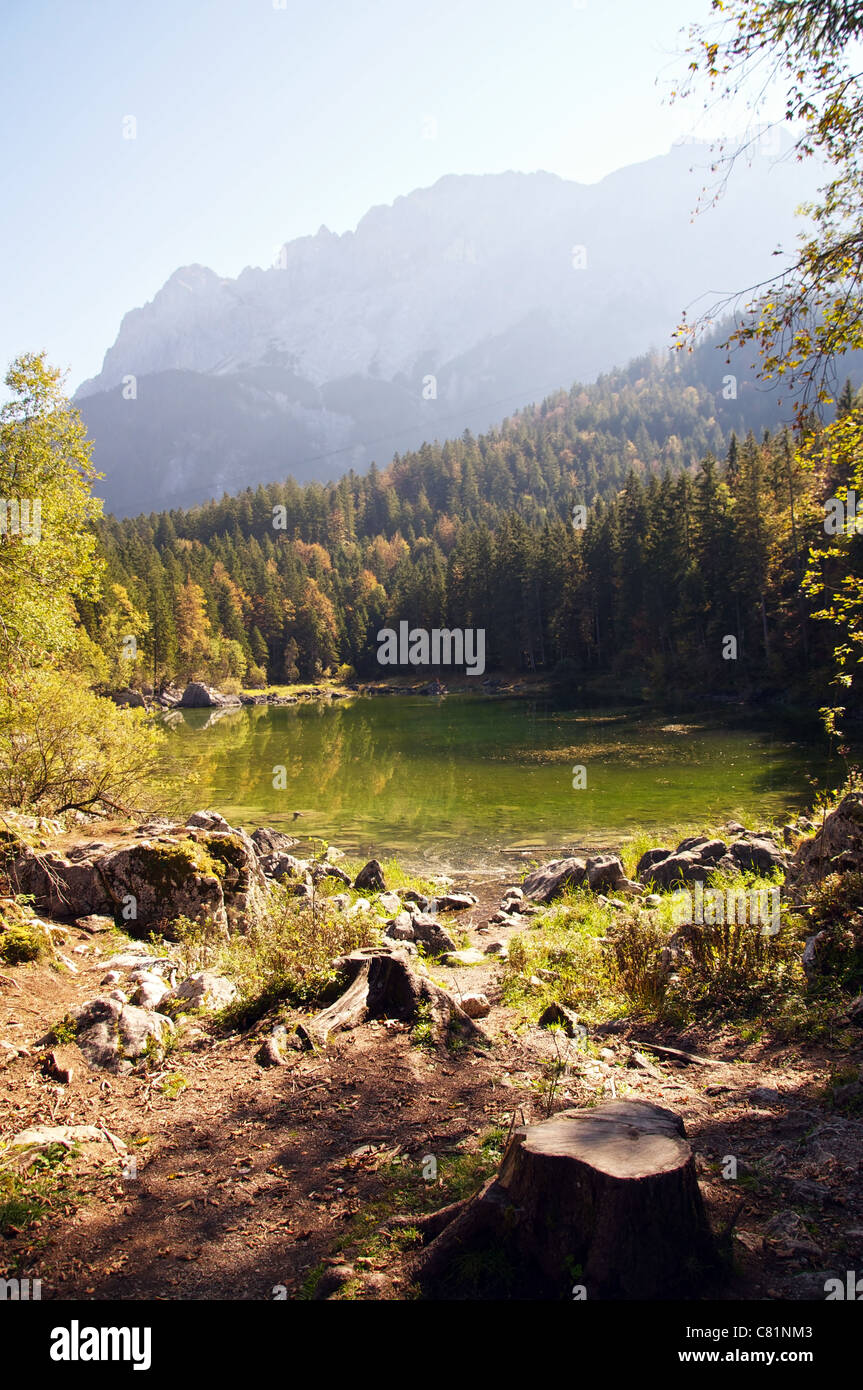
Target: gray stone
x=197 y=695
x=268 y=841
x=370 y=878
x=760 y=855
x=110 y=1032
x=203 y=990
x=207 y=820
x=604 y=872
x=648 y=859
x=456 y=902
x=475 y=1005
x=552 y=879
x=430 y=934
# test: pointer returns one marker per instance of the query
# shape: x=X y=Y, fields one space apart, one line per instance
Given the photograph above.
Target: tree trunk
x=383 y=985
x=605 y=1198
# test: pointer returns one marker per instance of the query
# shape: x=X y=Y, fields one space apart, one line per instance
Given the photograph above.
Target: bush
x=256 y=678
x=836 y=913
x=22 y=942
x=288 y=953
x=63 y=748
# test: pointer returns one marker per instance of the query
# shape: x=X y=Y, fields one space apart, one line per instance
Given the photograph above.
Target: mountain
x=445 y=311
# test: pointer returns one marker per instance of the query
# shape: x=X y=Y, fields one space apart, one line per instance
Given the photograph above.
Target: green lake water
x=469 y=780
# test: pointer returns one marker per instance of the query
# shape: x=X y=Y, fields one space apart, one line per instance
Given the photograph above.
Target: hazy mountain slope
x=322 y=363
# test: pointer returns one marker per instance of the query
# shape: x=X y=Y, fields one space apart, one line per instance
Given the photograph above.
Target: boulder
x=370 y=878
x=203 y=990
x=475 y=1005
x=560 y=1016
x=547 y=883
x=758 y=854
x=129 y=699
x=401 y=928
x=604 y=872
x=390 y=902
x=30 y=1144
x=677 y=869
x=60 y=885
x=197 y=695
x=456 y=902
x=837 y=847
x=110 y=1033
x=267 y=841
x=154 y=882
x=207 y=820
x=430 y=934
x=648 y=859
x=150 y=991
x=280 y=866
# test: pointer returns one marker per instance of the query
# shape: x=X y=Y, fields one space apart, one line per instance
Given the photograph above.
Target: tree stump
x=606 y=1199
x=383 y=985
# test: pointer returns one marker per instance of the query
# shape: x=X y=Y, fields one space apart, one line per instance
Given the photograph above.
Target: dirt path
x=250 y=1180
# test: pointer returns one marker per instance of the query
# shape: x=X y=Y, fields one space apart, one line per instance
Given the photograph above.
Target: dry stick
x=679 y=1052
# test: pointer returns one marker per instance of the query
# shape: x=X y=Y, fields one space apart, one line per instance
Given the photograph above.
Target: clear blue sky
x=256 y=124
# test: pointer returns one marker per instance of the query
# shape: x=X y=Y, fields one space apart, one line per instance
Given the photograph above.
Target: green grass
x=26 y=1198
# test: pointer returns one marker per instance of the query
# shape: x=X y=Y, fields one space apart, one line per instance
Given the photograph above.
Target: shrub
x=62 y=747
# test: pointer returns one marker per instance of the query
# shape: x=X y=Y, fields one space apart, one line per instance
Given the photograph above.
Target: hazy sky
x=258 y=121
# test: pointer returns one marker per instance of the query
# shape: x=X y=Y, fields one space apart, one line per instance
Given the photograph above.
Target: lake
x=471 y=780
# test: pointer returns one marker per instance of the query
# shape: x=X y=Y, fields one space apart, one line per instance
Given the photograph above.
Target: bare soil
x=250 y=1182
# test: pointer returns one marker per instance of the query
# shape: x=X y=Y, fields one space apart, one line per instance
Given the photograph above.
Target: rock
x=456 y=902
x=678 y=869
x=401 y=928
x=552 y=879
x=475 y=1005
x=109 y=1032
x=648 y=859
x=24 y=1148
x=497 y=948
x=94 y=924
x=321 y=869
x=836 y=848
x=341 y=902
x=604 y=872
x=506 y=919
x=469 y=956
x=361 y=905
x=758 y=854
x=560 y=1016
x=111 y=977
x=370 y=878
x=733 y=827
x=515 y=893
x=207 y=820
x=150 y=992
x=268 y=1054
x=268 y=841
x=129 y=699
x=203 y=990
x=410 y=895
x=53 y=1068
x=652 y=900
x=391 y=903
x=430 y=934
x=280 y=866
x=197 y=695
